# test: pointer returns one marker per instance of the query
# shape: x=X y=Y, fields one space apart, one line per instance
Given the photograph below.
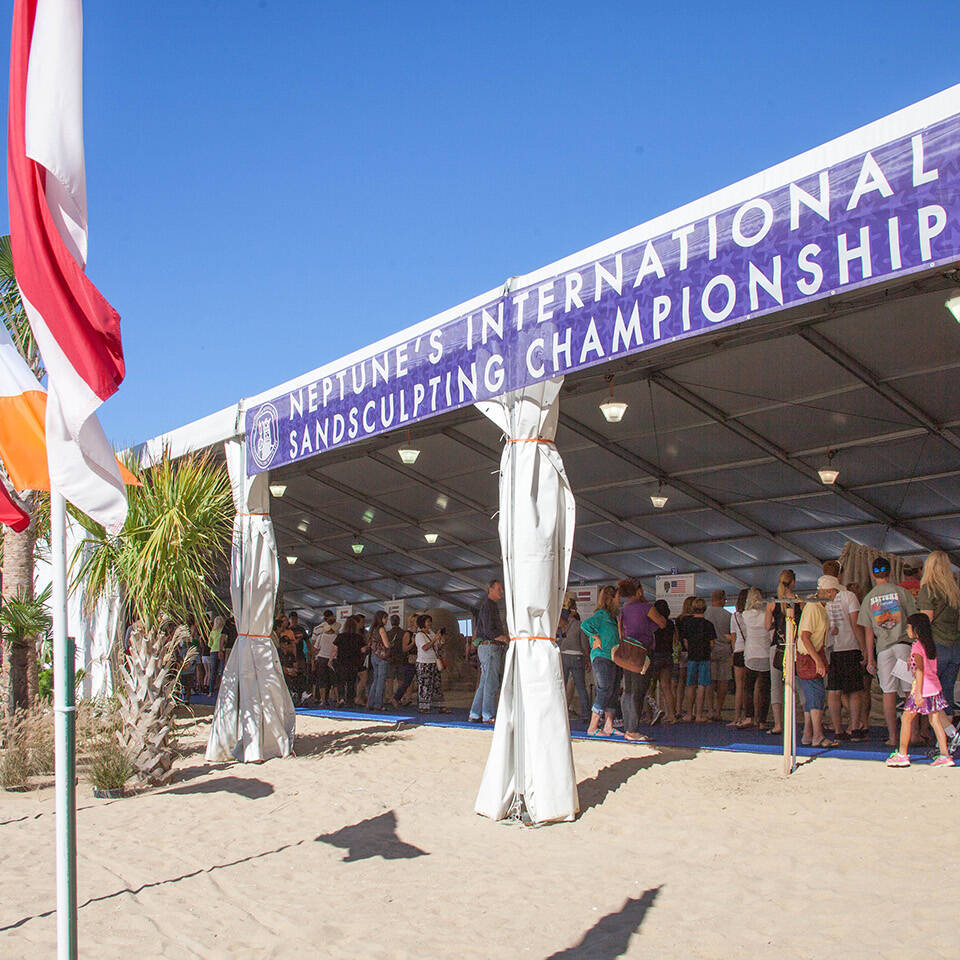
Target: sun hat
x=826 y=582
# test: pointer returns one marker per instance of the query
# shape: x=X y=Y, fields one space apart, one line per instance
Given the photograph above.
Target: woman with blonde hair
x=776 y=620
x=939 y=599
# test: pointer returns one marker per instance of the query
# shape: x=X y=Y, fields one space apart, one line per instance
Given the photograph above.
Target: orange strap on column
x=527 y=440
x=551 y=639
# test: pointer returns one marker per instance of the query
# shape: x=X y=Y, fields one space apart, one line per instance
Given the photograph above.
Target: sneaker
x=954 y=743
x=658 y=715
x=898 y=760
x=946 y=761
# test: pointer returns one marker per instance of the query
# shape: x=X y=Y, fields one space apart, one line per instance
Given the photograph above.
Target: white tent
x=530 y=763
x=254 y=716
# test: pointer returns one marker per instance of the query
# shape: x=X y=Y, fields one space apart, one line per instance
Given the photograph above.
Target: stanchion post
x=65 y=738
x=789 y=702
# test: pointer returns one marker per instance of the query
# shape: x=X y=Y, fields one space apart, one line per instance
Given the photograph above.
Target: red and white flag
x=77 y=331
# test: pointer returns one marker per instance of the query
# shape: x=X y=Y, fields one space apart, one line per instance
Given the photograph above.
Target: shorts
x=738 y=660
x=885 y=662
x=698 y=673
x=720 y=669
x=814 y=694
x=845 y=673
x=660 y=662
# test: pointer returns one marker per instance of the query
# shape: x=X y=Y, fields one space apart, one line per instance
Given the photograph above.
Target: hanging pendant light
x=278 y=489
x=431 y=537
x=953 y=305
x=658 y=499
x=357 y=547
x=612 y=410
x=291 y=559
x=408 y=452
x=829 y=473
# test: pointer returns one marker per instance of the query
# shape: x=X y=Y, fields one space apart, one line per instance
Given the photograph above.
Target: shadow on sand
x=610 y=936
x=376 y=837
x=595 y=790
x=248 y=787
x=336 y=742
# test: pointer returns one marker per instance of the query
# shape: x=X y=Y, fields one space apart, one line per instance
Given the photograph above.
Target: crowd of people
x=647 y=666
x=632 y=662
x=350 y=663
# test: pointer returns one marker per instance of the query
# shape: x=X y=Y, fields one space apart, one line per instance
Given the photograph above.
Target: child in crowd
x=698 y=636
x=926 y=696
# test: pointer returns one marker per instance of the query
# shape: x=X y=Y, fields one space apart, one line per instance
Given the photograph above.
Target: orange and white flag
x=23 y=407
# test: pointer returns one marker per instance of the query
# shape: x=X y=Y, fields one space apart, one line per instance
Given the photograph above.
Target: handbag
x=629 y=654
x=806 y=667
x=778 y=658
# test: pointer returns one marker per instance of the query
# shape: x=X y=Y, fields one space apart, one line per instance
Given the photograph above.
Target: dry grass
x=28 y=739
x=110 y=766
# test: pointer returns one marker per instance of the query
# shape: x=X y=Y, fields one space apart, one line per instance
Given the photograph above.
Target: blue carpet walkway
x=691 y=736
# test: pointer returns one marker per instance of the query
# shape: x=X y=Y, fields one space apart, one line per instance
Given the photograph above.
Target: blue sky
x=273 y=184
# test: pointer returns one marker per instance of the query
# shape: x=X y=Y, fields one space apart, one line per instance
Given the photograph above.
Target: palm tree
x=164 y=562
x=18 y=676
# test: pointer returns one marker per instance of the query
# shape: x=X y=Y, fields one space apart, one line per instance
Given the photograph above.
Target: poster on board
x=675 y=588
x=395 y=607
x=586 y=598
x=341 y=613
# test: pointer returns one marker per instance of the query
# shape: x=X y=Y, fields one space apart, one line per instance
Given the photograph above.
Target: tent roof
x=734 y=427
x=733 y=423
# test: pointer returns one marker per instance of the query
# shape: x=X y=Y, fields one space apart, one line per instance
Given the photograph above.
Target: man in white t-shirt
x=847 y=657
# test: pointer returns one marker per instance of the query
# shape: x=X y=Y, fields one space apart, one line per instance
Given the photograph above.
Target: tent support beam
x=869 y=379
x=778 y=453
x=656 y=541
x=686 y=488
x=454 y=494
x=392 y=575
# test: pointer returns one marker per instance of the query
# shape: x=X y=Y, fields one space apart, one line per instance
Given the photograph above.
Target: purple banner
x=890 y=211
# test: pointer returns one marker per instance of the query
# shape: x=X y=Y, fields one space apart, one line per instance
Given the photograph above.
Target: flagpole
x=65 y=738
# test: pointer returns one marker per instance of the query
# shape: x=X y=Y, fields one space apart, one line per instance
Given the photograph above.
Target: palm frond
x=12 y=312
x=21 y=618
x=176 y=535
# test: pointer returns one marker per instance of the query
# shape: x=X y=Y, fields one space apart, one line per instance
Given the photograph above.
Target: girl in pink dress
x=926 y=696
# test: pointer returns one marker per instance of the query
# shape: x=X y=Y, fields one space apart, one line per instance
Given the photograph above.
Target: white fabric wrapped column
x=254 y=717
x=531 y=762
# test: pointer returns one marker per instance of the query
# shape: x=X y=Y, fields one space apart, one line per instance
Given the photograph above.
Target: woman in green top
x=939 y=599
x=604 y=635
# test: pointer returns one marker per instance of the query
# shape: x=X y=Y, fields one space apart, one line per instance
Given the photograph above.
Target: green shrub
x=110 y=766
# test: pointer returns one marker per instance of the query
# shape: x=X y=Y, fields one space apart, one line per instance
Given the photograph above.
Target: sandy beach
x=365 y=844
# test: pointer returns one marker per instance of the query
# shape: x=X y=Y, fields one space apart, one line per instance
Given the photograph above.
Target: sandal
x=825 y=744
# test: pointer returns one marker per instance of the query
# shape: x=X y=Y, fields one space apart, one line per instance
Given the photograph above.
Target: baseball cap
x=826 y=582
x=881 y=566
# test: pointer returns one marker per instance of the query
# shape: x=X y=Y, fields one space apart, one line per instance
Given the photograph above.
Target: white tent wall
x=96 y=633
x=530 y=762
x=254 y=716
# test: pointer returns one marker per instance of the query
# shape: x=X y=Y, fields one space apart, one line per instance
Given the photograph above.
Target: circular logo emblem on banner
x=264 y=436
